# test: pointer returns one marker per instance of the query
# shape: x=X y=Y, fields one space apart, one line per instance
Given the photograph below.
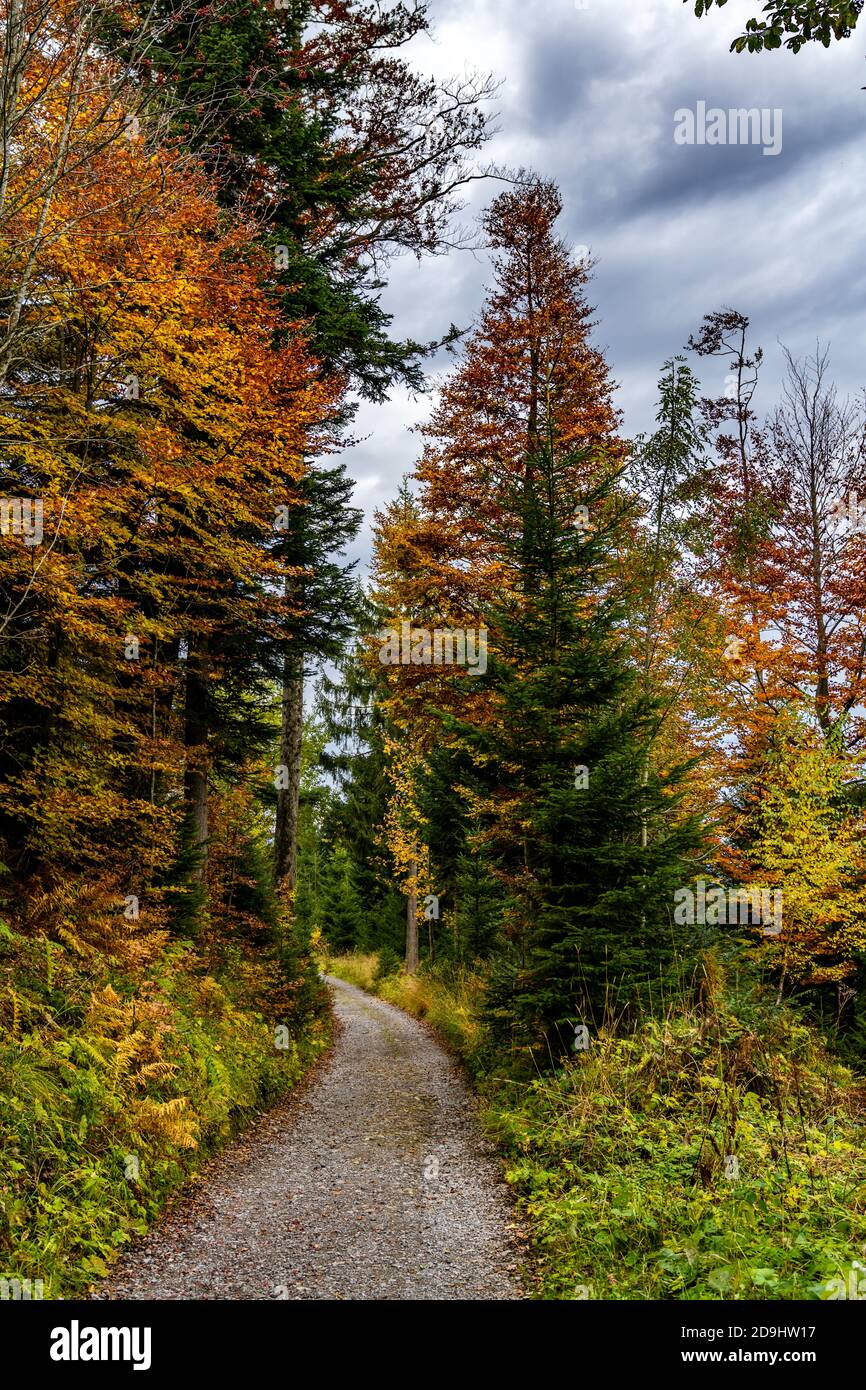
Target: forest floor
x=375 y=1183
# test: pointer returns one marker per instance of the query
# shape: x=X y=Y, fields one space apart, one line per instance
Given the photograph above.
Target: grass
x=355 y=968
x=715 y=1153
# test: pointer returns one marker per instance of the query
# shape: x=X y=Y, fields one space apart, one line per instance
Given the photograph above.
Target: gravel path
x=376 y=1185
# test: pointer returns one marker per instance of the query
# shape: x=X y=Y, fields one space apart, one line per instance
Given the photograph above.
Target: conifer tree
x=340 y=911
x=560 y=774
x=319 y=129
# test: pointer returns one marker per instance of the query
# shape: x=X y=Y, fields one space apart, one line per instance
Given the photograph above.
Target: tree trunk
x=289 y=796
x=195 y=742
x=412 y=924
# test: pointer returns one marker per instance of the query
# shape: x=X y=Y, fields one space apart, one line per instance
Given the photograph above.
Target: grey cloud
x=677 y=230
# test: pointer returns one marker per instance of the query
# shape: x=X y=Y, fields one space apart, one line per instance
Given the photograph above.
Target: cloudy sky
x=588 y=97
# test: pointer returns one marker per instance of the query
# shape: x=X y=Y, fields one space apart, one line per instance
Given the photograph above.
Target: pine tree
x=323 y=602
x=560 y=775
x=340 y=913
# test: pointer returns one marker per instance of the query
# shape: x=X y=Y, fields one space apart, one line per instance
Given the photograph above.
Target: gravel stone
x=374 y=1184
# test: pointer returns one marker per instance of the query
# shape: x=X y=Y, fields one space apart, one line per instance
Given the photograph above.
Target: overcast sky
x=588 y=96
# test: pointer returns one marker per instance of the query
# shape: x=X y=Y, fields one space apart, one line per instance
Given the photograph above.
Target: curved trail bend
x=375 y=1184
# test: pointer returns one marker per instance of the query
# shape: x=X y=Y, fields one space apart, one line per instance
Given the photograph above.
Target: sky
x=589 y=95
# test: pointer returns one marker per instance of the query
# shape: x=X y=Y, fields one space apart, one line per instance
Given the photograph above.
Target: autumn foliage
x=197 y=207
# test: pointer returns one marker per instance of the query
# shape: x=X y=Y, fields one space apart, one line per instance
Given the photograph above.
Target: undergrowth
x=118 y=1077
x=451 y=1002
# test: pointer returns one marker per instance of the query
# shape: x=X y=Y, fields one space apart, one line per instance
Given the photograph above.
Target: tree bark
x=412 y=923
x=195 y=742
x=289 y=796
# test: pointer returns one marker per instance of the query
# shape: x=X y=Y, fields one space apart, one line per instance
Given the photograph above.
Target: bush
x=696 y=1158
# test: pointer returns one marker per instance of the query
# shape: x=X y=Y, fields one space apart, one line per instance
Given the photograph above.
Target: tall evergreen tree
x=561 y=774
x=318 y=126
x=356 y=763
x=340 y=912
x=323 y=601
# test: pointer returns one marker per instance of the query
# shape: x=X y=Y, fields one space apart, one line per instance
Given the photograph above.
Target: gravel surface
x=375 y=1185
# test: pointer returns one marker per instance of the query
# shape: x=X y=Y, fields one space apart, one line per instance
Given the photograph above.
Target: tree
x=811 y=845
x=479 y=906
x=312 y=118
x=792 y=22
x=443 y=558
x=159 y=425
x=817 y=446
x=316 y=125
x=669 y=611
x=589 y=845
x=744 y=665
x=340 y=911
x=355 y=763
x=670 y=473
x=324 y=604
x=64 y=104
x=527 y=369
x=787 y=575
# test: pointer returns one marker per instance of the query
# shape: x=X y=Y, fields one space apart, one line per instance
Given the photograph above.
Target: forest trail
x=375 y=1184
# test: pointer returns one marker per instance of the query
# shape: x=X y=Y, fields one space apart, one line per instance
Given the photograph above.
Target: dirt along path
x=376 y=1185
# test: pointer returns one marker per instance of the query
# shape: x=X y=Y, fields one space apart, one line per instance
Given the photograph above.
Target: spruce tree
x=341 y=915
x=355 y=761
x=561 y=770
x=275 y=100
